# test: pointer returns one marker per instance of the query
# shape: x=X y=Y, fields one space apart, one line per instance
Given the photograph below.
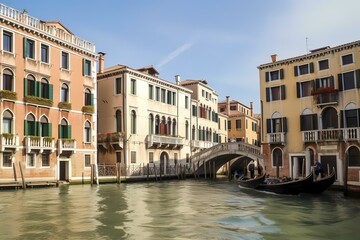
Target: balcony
x=67 y=145
x=198 y=144
x=9 y=141
x=113 y=140
x=327 y=135
x=39 y=144
x=326 y=96
x=276 y=138
x=159 y=141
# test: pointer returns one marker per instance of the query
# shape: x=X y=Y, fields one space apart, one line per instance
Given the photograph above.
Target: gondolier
x=251 y=168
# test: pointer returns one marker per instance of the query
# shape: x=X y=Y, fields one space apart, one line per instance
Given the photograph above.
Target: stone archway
x=164 y=162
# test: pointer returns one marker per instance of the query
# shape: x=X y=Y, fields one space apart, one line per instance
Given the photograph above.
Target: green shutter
x=25 y=87
x=69 y=131
x=311 y=65
x=340 y=82
x=60 y=131
x=282 y=73
x=49 y=128
x=37 y=88
x=37 y=128
x=26 y=128
x=282 y=88
x=357 y=78
x=267 y=77
x=25 y=47
x=83 y=67
x=92 y=99
x=296 y=71
x=50 y=89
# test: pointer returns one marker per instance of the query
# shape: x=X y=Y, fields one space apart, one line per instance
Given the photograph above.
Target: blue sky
x=222 y=41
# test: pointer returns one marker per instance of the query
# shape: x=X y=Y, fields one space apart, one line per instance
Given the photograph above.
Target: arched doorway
x=164 y=162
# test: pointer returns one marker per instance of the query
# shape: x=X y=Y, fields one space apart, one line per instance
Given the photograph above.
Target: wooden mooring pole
x=14 y=169
x=22 y=176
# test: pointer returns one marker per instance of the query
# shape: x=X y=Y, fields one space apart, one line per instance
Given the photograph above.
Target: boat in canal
x=292 y=187
x=320 y=185
x=251 y=182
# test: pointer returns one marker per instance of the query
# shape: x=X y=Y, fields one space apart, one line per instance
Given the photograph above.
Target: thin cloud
x=175 y=54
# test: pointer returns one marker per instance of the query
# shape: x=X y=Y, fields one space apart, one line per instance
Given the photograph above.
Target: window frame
x=42 y=160
x=10 y=80
x=87 y=160
x=9 y=159
x=31 y=156
x=65 y=62
x=30 y=48
x=47 y=54
x=118 y=86
x=323 y=60
x=345 y=55
x=10 y=43
x=87 y=132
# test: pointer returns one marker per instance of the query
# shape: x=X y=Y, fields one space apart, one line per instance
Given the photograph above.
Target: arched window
x=163 y=126
x=7 y=122
x=157 y=124
x=45 y=127
x=45 y=88
x=204 y=134
x=30 y=126
x=30 y=86
x=174 y=127
x=199 y=133
x=118 y=120
x=133 y=122
x=354 y=156
x=277 y=158
x=151 y=124
x=88 y=98
x=64 y=129
x=329 y=118
x=8 y=80
x=87 y=132
x=168 y=127
x=193 y=133
x=64 y=93
x=186 y=130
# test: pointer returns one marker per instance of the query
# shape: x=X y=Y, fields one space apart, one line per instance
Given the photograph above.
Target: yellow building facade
x=47 y=100
x=310 y=108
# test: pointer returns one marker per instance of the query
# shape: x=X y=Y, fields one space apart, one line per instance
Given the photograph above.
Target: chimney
x=273 y=57
x=101 y=62
x=227 y=105
x=251 y=109
x=177 y=79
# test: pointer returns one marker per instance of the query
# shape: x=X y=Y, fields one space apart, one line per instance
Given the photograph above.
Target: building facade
x=47 y=100
x=243 y=125
x=310 y=110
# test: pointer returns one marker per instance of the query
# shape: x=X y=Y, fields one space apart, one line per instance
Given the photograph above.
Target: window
x=7 y=41
x=30 y=160
x=46 y=90
x=163 y=95
x=87 y=160
x=225 y=124
x=44 y=53
x=349 y=80
x=157 y=94
x=151 y=91
x=326 y=82
x=29 y=48
x=174 y=98
x=64 y=93
x=277 y=158
x=7 y=159
x=45 y=160
x=118 y=157
x=304 y=89
x=65 y=60
x=229 y=125
x=276 y=125
x=186 y=102
x=274 y=75
x=233 y=108
x=64 y=129
x=118 y=120
x=7 y=122
x=323 y=64
x=308 y=122
x=117 y=85
x=88 y=97
x=238 y=123
x=133 y=122
x=354 y=156
x=8 y=80
x=347 y=59
x=175 y=158
x=203 y=92
x=30 y=125
x=187 y=158
x=275 y=93
x=87 y=132
x=186 y=130
x=151 y=124
x=29 y=86
x=45 y=129
x=133 y=157
x=133 y=86
x=351 y=117
x=151 y=157
x=169 y=96
x=304 y=69
x=194 y=110
x=86 y=67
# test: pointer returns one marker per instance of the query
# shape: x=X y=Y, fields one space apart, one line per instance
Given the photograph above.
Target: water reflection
x=174 y=210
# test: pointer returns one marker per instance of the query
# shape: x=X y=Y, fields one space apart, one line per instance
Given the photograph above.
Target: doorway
x=64 y=171
x=298 y=166
x=328 y=162
x=164 y=162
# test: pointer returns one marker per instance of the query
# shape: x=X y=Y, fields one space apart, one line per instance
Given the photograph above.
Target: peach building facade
x=47 y=100
x=311 y=110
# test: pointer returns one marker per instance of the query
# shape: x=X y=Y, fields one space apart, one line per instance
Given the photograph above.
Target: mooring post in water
x=155 y=172
x=148 y=172
x=346 y=174
x=193 y=170
x=119 y=172
x=214 y=170
x=204 y=164
x=91 y=174
x=14 y=169
x=22 y=176
x=228 y=170
x=82 y=178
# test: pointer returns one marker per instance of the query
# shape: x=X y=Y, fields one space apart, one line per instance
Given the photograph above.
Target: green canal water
x=190 y=209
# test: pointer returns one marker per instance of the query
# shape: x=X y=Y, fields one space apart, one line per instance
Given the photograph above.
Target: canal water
x=190 y=209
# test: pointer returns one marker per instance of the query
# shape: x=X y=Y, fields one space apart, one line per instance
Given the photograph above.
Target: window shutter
x=342 y=112
x=37 y=128
x=268 y=94
x=92 y=99
x=298 y=89
x=268 y=125
x=340 y=82
x=296 y=71
x=284 y=124
x=317 y=83
x=332 y=81
x=282 y=87
x=282 y=73
x=69 y=131
x=25 y=87
x=315 y=121
x=37 y=89
x=311 y=65
x=357 y=75
x=302 y=127
x=25 y=47
x=83 y=67
x=267 y=76
x=50 y=89
x=26 y=129
x=60 y=131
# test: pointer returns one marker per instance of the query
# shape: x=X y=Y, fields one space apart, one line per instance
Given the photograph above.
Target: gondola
x=251 y=182
x=319 y=186
x=291 y=187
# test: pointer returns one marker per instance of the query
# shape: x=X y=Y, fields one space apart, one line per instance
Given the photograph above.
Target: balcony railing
x=338 y=134
x=68 y=145
x=276 y=138
x=23 y=18
x=116 y=139
x=331 y=98
x=164 y=141
x=198 y=144
x=39 y=143
x=10 y=141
